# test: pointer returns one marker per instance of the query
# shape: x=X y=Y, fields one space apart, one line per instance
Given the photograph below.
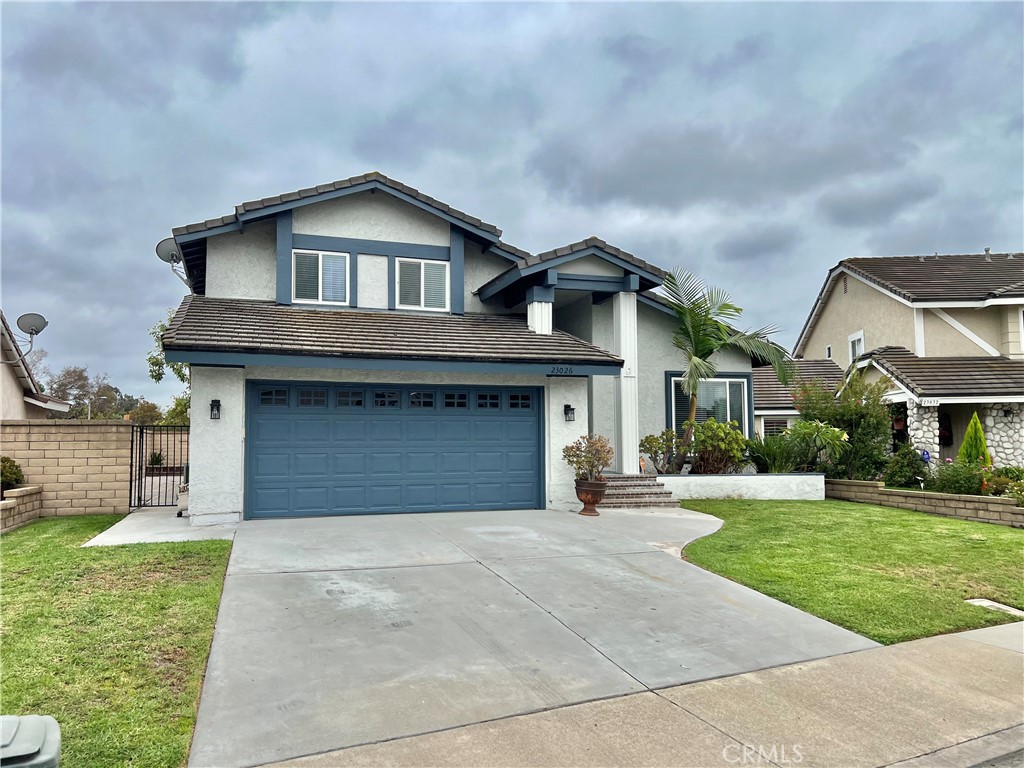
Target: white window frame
x=423 y=285
x=828 y=351
x=320 y=277
x=858 y=336
x=728 y=417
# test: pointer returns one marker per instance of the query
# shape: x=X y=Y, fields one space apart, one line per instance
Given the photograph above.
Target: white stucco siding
x=602 y=388
x=243 y=266
x=367 y=216
x=216 y=446
x=372 y=281
x=657 y=354
x=945 y=340
x=479 y=269
x=576 y=318
x=12 y=395
x=590 y=265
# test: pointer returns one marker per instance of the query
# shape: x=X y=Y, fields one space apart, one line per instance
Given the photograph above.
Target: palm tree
x=702 y=315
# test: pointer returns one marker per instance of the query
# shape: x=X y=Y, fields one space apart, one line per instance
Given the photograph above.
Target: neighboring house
x=947 y=330
x=366 y=348
x=21 y=397
x=773 y=401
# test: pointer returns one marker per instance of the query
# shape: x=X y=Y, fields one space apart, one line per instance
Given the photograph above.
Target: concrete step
x=653 y=493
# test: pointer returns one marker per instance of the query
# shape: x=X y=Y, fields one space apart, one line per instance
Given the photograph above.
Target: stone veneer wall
x=1004 y=434
x=20 y=505
x=981 y=509
x=923 y=428
x=83 y=466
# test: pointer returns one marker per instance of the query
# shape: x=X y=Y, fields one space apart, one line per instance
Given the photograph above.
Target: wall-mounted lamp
x=215 y=409
x=570 y=412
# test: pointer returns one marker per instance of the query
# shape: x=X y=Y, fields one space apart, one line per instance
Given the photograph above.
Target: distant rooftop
x=959 y=277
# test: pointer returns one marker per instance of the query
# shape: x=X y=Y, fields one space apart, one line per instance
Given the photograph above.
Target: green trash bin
x=29 y=741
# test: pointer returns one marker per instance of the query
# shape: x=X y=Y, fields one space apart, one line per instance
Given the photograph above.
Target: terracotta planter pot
x=590 y=492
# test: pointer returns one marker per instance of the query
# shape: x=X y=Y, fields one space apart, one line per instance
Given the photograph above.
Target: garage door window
x=385 y=399
x=520 y=402
x=312 y=398
x=421 y=400
x=488 y=400
x=349 y=398
x=271 y=396
x=456 y=400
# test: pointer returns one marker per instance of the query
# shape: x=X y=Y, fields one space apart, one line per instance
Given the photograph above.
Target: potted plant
x=589 y=457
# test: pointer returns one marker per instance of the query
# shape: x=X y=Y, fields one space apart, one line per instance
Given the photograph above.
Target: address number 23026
x=561 y=370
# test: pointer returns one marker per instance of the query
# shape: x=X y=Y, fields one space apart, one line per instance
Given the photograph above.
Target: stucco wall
x=1011 y=335
x=807 y=487
x=372 y=281
x=884 y=321
x=590 y=265
x=943 y=340
x=216 y=470
x=367 y=216
x=12 y=396
x=242 y=266
x=480 y=268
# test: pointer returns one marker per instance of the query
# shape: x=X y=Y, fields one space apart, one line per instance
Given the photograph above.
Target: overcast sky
x=754 y=144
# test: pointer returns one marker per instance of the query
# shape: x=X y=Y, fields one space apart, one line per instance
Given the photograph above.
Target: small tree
x=974 y=448
x=145 y=413
x=861 y=412
x=158 y=364
x=178 y=414
x=666 y=450
x=718 y=447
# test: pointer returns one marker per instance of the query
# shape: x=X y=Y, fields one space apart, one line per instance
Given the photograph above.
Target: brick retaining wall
x=982 y=509
x=20 y=505
x=83 y=466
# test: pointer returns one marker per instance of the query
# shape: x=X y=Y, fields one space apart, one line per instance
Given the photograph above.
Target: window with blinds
x=320 y=277
x=721 y=399
x=422 y=284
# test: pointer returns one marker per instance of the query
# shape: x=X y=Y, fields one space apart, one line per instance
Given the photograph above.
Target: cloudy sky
x=754 y=144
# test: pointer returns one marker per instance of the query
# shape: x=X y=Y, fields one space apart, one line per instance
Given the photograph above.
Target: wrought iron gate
x=159 y=465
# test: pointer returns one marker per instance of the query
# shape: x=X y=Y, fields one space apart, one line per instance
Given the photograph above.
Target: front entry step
x=637 y=491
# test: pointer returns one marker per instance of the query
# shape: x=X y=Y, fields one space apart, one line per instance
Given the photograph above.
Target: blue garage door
x=327 y=449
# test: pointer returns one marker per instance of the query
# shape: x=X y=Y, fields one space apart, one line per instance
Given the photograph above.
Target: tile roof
x=771 y=394
x=593 y=242
x=962 y=277
x=373 y=176
x=244 y=325
x=993 y=377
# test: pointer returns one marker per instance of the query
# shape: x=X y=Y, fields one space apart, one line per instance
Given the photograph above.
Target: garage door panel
x=382 y=449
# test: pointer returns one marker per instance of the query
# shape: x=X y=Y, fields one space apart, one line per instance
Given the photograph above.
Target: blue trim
x=655 y=304
x=735 y=375
x=392 y=276
x=373 y=247
x=600 y=283
x=567 y=369
x=251 y=401
x=284 y=258
x=271 y=210
x=497 y=250
x=353 y=279
x=456 y=272
x=540 y=293
x=492 y=289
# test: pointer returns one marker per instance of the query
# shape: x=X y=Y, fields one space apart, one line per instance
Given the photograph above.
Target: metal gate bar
x=159 y=457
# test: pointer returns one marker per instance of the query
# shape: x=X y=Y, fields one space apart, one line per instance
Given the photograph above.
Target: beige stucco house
x=946 y=330
x=20 y=394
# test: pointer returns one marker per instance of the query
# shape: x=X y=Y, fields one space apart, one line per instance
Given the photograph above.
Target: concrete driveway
x=345 y=631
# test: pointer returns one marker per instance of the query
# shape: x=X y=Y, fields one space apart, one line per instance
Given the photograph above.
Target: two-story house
x=360 y=347
x=946 y=330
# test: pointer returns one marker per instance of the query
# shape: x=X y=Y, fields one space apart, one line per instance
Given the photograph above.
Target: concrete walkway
x=346 y=631
x=155 y=525
x=943 y=702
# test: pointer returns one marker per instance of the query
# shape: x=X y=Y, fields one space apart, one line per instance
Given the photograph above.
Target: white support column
x=627 y=401
x=540 y=317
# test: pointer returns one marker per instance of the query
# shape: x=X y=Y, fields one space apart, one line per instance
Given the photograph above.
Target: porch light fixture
x=570 y=412
x=215 y=409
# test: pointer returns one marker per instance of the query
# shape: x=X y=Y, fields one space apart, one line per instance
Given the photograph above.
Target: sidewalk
x=955 y=700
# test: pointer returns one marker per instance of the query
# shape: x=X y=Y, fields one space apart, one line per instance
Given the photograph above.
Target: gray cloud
x=642 y=58
x=758 y=243
x=745 y=52
x=876 y=202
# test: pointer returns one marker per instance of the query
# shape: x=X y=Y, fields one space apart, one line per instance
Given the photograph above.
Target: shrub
x=997 y=486
x=589 y=456
x=974 y=447
x=666 y=450
x=1016 y=490
x=776 y=454
x=717 y=447
x=1016 y=474
x=10 y=473
x=819 y=442
x=156 y=459
x=962 y=477
x=861 y=412
x=906 y=468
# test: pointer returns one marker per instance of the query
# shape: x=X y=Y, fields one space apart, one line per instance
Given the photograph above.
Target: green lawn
x=112 y=641
x=889 y=574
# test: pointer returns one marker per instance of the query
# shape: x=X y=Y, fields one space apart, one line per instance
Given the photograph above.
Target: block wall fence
x=20 y=505
x=83 y=467
x=982 y=509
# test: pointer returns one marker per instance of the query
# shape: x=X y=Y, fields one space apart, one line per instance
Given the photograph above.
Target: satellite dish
x=167 y=251
x=32 y=323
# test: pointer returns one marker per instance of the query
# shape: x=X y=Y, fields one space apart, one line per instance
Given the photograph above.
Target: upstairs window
x=320 y=277
x=422 y=284
x=856 y=345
